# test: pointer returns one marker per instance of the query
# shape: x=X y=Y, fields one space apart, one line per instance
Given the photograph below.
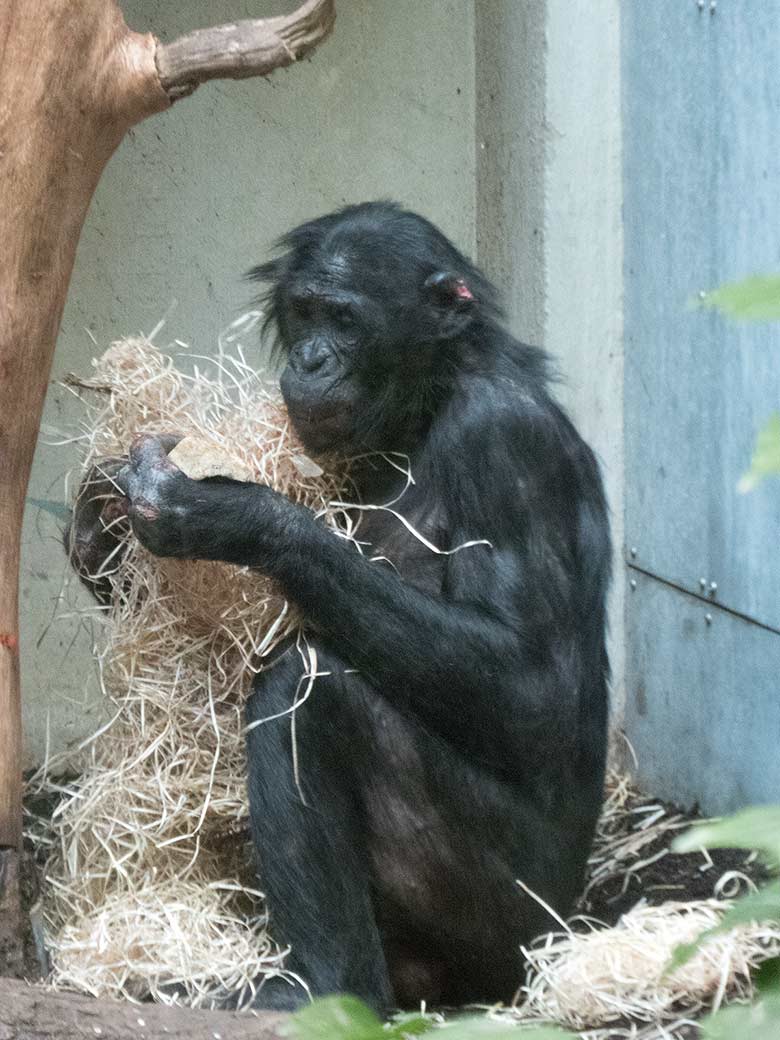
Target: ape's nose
x=310 y=357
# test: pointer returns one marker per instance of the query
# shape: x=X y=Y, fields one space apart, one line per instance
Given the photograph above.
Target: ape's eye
x=344 y=318
x=304 y=308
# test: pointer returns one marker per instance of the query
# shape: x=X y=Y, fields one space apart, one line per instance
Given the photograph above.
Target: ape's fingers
x=152 y=450
x=121 y=479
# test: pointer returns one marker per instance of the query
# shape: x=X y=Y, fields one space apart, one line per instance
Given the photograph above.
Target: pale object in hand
x=199 y=459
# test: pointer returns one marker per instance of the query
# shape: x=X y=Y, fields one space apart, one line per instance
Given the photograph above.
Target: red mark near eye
x=11 y=642
x=462 y=291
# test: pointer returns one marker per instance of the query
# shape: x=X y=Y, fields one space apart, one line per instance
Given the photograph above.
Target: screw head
x=708 y=618
x=713 y=587
x=702 y=583
x=633 y=550
x=632 y=584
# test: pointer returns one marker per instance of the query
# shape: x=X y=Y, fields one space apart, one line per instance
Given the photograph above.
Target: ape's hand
x=170 y=513
x=94 y=536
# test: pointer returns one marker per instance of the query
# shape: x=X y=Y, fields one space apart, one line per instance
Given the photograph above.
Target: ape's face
x=365 y=308
x=326 y=331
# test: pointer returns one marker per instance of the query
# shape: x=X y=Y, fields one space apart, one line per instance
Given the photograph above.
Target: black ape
x=456 y=742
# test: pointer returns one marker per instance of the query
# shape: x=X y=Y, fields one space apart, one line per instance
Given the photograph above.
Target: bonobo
x=454 y=741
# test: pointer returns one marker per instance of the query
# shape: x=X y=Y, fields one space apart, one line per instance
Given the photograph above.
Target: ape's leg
x=309 y=832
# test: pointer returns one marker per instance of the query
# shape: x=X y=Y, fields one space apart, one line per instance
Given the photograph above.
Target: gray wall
x=549 y=214
x=194 y=197
x=508 y=123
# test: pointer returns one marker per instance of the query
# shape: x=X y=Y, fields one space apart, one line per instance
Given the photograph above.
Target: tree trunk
x=33 y=1013
x=73 y=80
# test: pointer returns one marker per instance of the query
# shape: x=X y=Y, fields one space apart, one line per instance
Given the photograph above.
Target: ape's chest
x=408 y=543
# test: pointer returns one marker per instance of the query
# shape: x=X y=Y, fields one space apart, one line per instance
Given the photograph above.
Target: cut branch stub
x=248 y=48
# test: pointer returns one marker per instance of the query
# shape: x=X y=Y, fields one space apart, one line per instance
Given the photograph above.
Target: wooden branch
x=35 y=1013
x=247 y=48
x=73 y=80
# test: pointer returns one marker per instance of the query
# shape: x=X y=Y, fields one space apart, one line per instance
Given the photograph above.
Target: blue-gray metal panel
x=702 y=207
x=703 y=700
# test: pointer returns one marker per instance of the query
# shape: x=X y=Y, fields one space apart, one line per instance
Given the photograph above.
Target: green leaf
x=408 y=1025
x=754 y=828
x=767 y=978
x=766 y=455
x=763 y=905
x=49 y=505
x=753 y=299
x=480 y=1028
x=759 y=1021
x=346 y=1018
x=336 y=1018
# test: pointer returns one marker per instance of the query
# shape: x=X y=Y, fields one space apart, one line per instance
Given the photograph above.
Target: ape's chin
x=321 y=432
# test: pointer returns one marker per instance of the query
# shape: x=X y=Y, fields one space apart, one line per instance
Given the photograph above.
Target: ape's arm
x=470 y=674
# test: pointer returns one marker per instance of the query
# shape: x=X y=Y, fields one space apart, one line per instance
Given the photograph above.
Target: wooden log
x=14 y=926
x=35 y=1013
x=73 y=80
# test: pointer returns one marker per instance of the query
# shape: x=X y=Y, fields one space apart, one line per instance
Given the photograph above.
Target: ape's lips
x=321 y=425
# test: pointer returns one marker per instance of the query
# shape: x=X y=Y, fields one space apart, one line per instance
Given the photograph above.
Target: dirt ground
x=666 y=875
x=631 y=862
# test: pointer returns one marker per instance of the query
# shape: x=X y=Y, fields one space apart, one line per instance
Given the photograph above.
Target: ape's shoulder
x=503 y=395
x=505 y=440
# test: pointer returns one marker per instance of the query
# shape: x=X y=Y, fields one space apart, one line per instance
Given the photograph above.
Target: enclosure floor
x=643 y=869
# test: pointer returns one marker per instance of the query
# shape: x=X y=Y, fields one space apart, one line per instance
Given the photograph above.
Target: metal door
x=701 y=113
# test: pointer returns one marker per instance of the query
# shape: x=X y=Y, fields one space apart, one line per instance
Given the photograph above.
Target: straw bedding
x=148 y=878
x=611 y=982
x=150 y=889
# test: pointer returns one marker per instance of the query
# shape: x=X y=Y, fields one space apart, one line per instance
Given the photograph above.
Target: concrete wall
x=499 y=119
x=549 y=200
x=194 y=197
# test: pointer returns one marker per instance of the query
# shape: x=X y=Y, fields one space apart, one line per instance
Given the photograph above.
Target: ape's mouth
x=323 y=426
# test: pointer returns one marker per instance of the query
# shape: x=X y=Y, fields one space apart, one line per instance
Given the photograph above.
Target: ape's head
x=369 y=306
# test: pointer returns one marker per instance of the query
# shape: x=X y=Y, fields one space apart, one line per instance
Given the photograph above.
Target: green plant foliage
x=759 y=1021
x=766 y=455
x=754 y=828
x=763 y=905
x=347 y=1018
x=768 y=976
x=755 y=299
x=474 y=1028
x=336 y=1018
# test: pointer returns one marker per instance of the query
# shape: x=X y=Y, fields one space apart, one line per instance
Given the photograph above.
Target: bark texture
x=34 y=1013
x=73 y=80
x=241 y=49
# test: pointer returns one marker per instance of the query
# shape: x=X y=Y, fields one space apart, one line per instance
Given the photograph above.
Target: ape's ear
x=452 y=301
x=448 y=289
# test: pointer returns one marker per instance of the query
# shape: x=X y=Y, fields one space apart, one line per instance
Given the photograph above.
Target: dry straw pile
x=614 y=983
x=148 y=884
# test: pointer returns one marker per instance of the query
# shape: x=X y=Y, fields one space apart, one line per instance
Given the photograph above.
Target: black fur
x=456 y=742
